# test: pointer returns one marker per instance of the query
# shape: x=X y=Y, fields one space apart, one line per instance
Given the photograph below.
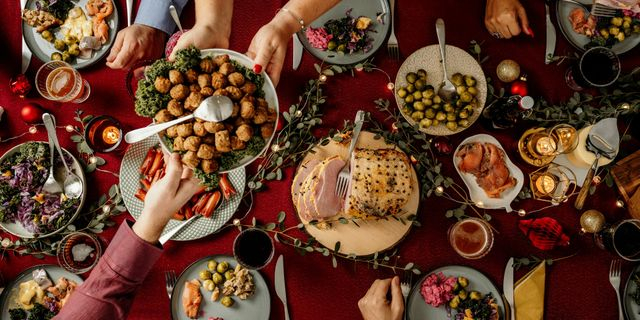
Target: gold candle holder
x=552 y=183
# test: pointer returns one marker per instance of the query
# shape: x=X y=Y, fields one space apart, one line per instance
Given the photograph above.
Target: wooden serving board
x=372 y=235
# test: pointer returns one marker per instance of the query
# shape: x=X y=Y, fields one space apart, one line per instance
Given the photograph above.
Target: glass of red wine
x=597 y=67
x=103 y=134
x=253 y=248
x=622 y=238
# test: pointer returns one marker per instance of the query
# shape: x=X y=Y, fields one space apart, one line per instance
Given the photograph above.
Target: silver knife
x=281 y=290
x=297 y=51
x=129 y=12
x=26 y=53
x=551 y=38
x=507 y=287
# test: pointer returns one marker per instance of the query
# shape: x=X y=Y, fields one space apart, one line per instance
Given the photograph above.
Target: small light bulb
x=93 y=159
x=69 y=128
x=625 y=106
x=390 y=86
x=275 y=148
x=360 y=68
x=298 y=113
x=106 y=208
x=33 y=129
x=236 y=222
x=619 y=203
x=479 y=204
x=323 y=78
x=439 y=189
x=522 y=213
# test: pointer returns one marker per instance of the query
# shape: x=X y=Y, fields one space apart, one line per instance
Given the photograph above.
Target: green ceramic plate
x=130 y=183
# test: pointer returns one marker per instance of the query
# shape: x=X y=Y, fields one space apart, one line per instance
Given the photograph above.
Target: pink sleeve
x=109 y=290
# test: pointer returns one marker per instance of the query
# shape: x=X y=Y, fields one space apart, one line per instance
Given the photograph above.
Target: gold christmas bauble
x=592 y=221
x=508 y=70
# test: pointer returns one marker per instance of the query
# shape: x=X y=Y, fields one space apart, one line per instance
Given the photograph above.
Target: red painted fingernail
x=257 y=68
x=530 y=32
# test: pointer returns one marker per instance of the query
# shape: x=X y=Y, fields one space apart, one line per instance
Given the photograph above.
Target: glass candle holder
x=552 y=183
x=471 y=238
x=565 y=138
x=79 y=252
x=253 y=248
x=59 y=81
x=103 y=134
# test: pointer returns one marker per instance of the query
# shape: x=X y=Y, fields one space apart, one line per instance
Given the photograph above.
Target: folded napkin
x=632 y=5
x=529 y=294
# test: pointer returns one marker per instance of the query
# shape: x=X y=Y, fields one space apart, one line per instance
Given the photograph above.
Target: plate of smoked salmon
x=492 y=179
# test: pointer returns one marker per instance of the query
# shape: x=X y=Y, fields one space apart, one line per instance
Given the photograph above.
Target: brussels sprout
x=462 y=294
x=229 y=275
x=66 y=57
x=457 y=79
x=205 y=275
x=417 y=95
x=614 y=31
x=341 y=48
x=636 y=28
x=626 y=24
x=422 y=73
x=227 y=301
x=417 y=115
x=475 y=295
x=451 y=116
x=616 y=21
x=463 y=114
x=59 y=45
x=430 y=113
x=407 y=110
x=447 y=107
x=463 y=123
x=208 y=285
x=332 y=45
x=437 y=100
x=402 y=92
x=222 y=267
x=47 y=35
x=427 y=102
x=620 y=36
x=466 y=97
x=56 y=56
x=425 y=123
x=454 y=303
x=470 y=81
x=604 y=33
x=411 y=88
x=429 y=93
x=473 y=91
x=211 y=265
x=627 y=19
x=411 y=77
x=469 y=108
x=69 y=40
x=420 y=84
x=435 y=122
x=418 y=105
x=452 y=125
x=441 y=116
x=74 y=50
x=461 y=89
x=217 y=278
x=409 y=99
x=436 y=107
x=459 y=103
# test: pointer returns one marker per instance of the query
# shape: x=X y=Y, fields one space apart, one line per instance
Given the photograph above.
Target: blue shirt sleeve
x=155 y=13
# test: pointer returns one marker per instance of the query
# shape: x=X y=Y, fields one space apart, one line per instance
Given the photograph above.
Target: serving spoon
x=52 y=186
x=447 y=90
x=72 y=183
x=214 y=108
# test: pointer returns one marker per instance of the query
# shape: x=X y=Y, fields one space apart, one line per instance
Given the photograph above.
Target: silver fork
x=345 y=174
x=614 y=278
x=392 y=43
x=170 y=280
x=405 y=287
x=600 y=10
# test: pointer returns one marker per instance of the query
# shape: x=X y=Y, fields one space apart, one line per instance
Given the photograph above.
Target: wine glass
x=597 y=67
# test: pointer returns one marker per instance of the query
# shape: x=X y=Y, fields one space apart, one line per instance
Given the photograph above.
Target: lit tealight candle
x=111 y=135
x=545 y=146
x=545 y=184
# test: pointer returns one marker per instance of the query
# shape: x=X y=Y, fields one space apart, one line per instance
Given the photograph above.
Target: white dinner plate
x=631 y=308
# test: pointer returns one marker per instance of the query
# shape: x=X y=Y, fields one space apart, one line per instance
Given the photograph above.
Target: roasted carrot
x=188 y=213
x=178 y=216
x=156 y=176
x=148 y=159
x=145 y=184
x=141 y=194
x=212 y=203
x=157 y=164
x=201 y=203
x=227 y=188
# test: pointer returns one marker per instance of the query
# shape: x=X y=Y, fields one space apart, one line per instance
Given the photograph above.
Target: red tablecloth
x=577 y=288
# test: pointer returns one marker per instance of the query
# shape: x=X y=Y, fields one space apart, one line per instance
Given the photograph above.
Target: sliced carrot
x=141 y=194
x=212 y=203
x=201 y=203
x=148 y=159
x=226 y=187
x=178 y=216
x=157 y=176
x=157 y=164
x=188 y=212
x=145 y=184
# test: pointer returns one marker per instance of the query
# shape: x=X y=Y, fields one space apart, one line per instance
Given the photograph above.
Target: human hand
x=202 y=36
x=134 y=43
x=374 y=305
x=269 y=47
x=501 y=18
x=164 y=198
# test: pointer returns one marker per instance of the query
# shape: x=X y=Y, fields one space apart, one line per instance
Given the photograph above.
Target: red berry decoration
x=443 y=145
x=20 y=85
x=31 y=113
x=519 y=87
x=171 y=43
x=544 y=233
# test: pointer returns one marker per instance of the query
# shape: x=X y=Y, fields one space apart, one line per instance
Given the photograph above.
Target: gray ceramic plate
x=130 y=183
x=7 y=299
x=563 y=9
x=368 y=8
x=417 y=309
x=458 y=60
x=16 y=228
x=43 y=49
x=630 y=307
x=257 y=307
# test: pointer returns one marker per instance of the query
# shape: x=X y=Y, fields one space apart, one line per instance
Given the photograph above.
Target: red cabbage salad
x=22 y=176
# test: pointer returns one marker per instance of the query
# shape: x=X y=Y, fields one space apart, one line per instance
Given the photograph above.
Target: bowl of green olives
x=417 y=84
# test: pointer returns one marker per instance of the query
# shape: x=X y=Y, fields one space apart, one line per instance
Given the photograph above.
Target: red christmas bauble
x=20 y=85
x=544 y=233
x=443 y=145
x=31 y=113
x=519 y=87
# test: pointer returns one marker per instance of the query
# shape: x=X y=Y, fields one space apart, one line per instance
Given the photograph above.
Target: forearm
x=215 y=14
x=307 y=10
x=149 y=226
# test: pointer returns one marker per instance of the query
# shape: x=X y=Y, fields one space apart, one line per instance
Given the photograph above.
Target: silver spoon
x=214 y=108
x=174 y=15
x=447 y=90
x=51 y=186
x=72 y=183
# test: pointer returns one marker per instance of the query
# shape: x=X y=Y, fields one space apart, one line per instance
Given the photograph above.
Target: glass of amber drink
x=59 y=81
x=471 y=238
